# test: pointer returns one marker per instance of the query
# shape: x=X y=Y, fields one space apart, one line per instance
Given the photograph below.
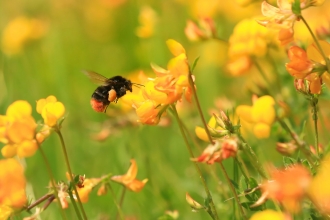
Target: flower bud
x=193 y=204
x=286 y=149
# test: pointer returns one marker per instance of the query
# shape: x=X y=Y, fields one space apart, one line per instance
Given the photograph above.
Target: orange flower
x=204 y=30
x=87 y=187
x=299 y=66
x=17 y=130
x=285 y=36
x=12 y=182
x=174 y=81
x=219 y=151
x=128 y=180
x=288 y=187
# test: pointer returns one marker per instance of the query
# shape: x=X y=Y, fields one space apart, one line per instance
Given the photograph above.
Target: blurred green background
x=101 y=36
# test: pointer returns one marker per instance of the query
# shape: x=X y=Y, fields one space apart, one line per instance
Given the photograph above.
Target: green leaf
x=194 y=64
x=234 y=184
x=296 y=7
x=289 y=161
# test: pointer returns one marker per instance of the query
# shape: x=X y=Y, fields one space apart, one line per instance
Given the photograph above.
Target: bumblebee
x=109 y=90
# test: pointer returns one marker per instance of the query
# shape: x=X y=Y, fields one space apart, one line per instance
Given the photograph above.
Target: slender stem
x=300 y=143
x=52 y=180
x=209 y=196
x=58 y=132
x=326 y=60
x=38 y=201
x=262 y=73
x=116 y=203
x=73 y=201
x=233 y=190
x=315 y=119
x=49 y=201
x=192 y=85
x=238 y=162
x=253 y=157
x=122 y=196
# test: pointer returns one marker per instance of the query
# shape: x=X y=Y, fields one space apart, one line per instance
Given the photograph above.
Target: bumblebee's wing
x=96 y=78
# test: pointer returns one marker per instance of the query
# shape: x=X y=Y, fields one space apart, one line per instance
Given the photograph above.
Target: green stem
x=214 y=214
x=192 y=85
x=52 y=180
x=240 y=165
x=58 y=132
x=233 y=190
x=262 y=73
x=73 y=201
x=326 y=60
x=302 y=145
x=315 y=119
x=116 y=203
x=253 y=157
x=122 y=196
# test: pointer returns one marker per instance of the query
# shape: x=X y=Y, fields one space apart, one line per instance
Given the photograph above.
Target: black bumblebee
x=110 y=90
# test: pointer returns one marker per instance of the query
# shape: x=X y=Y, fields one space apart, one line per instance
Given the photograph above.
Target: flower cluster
x=17 y=130
x=248 y=40
x=167 y=88
x=13 y=183
x=308 y=67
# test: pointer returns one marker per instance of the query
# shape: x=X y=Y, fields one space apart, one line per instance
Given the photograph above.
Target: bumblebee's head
x=128 y=85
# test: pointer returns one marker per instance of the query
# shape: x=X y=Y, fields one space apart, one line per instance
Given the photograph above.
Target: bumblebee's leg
x=105 y=110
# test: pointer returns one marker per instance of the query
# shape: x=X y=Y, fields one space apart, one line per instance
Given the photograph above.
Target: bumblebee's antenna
x=137 y=85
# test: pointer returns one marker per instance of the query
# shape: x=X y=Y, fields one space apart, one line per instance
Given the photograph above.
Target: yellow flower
x=17 y=130
x=20 y=31
x=201 y=133
x=129 y=181
x=5 y=212
x=319 y=189
x=247 y=40
x=260 y=116
x=51 y=110
x=174 y=81
x=148 y=20
x=12 y=182
x=268 y=215
x=166 y=88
